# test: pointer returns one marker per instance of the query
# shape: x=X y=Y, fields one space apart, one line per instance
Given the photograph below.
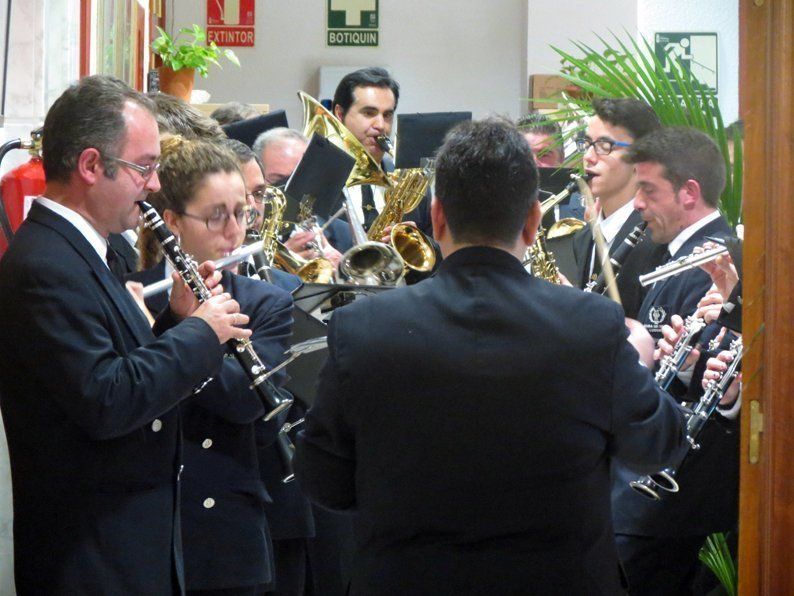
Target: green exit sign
x=352 y=23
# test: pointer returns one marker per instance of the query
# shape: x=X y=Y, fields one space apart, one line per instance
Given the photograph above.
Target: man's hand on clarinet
x=670 y=336
x=183 y=302
x=222 y=313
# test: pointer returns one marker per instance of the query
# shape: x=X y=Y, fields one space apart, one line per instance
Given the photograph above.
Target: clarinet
x=599 y=285
x=261 y=263
x=715 y=389
x=242 y=349
x=671 y=364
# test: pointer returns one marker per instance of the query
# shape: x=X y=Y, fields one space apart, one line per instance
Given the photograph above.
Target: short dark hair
x=88 y=114
x=372 y=76
x=685 y=154
x=486 y=181
x=177 y=117
x=636 y=116
x=233 y=111
x=539 y=124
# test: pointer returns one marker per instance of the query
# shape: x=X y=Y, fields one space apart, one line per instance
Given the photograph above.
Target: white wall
x=706 y=16
x=557 y=23
x=462 y=55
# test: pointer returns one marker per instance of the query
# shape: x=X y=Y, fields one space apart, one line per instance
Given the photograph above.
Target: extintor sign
x=230 y=22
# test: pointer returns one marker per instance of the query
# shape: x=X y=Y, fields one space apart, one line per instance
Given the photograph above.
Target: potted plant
x=183 y=55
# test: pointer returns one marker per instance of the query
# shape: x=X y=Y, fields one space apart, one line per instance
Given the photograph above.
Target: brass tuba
x=319 y=270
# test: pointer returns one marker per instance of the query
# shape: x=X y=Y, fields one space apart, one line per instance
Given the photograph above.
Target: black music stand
x=304 y=370
x=420 y=135
x=321 y=173
x=246 y=131
x=308 y=296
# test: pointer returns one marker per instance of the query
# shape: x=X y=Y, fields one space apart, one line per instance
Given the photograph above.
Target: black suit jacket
x=88 y=396
x=644 y=257
x=463 y=441
x=226 y=538
x=707 y=500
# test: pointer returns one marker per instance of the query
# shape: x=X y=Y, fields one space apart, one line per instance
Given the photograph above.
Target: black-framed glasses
x=146 y=172
x=602 y=146
x=244 y=216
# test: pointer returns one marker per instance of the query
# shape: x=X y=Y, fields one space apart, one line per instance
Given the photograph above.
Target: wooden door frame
x=766 y=526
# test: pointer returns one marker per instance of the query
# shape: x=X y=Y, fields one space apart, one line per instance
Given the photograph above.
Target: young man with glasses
x=89 y=396
x=616 y=124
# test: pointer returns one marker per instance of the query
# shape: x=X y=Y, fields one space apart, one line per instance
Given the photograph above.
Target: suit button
x=157 y=425
x=209 y=503
x=206 y=443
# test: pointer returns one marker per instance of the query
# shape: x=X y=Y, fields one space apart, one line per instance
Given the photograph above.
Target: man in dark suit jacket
x=474 y=459
x=616 y=124
x=680 y=174
x=88 y=400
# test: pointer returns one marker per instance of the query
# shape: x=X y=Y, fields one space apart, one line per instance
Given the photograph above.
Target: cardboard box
x=545 y=86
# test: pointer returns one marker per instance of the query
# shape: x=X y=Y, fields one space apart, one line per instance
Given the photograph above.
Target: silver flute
x=682 y=264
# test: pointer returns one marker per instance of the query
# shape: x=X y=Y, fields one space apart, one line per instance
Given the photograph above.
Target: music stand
x=420 y=135
x=321 y=173
x=304 y=370
x=309 y=296
x=246 y=131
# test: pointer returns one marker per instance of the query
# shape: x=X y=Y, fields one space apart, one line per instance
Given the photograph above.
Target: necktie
x=368 y=206
x=116 y=264
x=596 y=262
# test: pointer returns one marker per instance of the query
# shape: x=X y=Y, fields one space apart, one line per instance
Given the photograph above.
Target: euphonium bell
x=318 y=120
x=314 y=271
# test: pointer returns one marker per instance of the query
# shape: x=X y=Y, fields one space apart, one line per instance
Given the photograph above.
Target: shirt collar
x=685 y=234
x=611 y=225
x=95 y=239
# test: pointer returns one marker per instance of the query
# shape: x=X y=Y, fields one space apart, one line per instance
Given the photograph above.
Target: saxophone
x=319 y=270
x=538 y=259
x=406 y=194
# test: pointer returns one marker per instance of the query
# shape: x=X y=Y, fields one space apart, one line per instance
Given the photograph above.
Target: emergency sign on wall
x=230 y=22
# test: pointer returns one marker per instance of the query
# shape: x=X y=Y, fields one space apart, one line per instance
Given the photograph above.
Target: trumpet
x=682 y=264
x=650 y=485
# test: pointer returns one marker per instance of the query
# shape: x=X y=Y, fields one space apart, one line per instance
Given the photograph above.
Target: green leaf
x=630 y=68
x=191 y=53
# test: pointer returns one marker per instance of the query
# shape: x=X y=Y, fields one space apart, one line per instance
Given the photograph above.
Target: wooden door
x=766 y=526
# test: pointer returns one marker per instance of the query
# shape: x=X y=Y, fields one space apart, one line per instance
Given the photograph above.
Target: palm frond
x=627 y=67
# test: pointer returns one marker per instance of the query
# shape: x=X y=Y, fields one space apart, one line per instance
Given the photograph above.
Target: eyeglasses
x=146 y=172
x=258 y=196
x=216 y=222
x=602 y=146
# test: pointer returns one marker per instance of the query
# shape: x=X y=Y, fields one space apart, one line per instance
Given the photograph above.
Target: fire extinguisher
x=24 y=181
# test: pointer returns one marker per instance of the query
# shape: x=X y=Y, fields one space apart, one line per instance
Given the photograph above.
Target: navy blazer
x=707 y=501
x=88 y=396
x=225 y=532
x=643 y=258
x=463 y=441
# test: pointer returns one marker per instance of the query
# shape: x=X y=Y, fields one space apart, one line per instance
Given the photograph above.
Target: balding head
x=280 y=150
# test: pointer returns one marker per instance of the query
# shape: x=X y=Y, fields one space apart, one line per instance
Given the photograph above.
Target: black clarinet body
x=618 y=258
x=261 y=263
x=243 y=350
x=664 y=480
